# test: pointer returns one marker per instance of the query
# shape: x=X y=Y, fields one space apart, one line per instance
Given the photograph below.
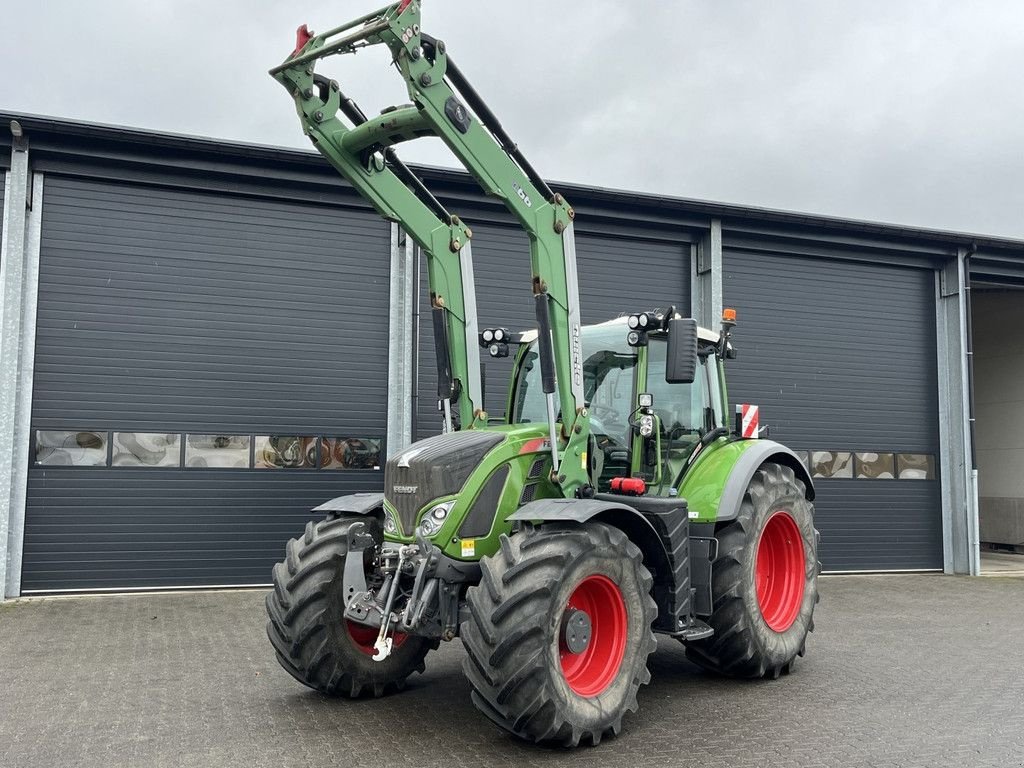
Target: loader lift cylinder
x=547 y=370
x=444 y=371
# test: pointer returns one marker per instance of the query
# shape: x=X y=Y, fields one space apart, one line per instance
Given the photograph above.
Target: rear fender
x=748 y=462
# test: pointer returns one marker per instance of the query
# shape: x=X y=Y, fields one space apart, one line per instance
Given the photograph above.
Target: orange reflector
x=729 y=315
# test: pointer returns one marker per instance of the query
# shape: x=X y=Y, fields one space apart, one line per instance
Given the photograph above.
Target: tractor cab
x=629 y=394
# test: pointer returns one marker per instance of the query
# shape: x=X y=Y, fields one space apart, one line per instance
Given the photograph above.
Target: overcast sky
x=908 y=112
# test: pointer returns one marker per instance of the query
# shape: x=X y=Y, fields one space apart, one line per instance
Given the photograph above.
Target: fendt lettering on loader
x=614 y=502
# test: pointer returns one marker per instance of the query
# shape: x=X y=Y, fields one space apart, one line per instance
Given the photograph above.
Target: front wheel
x=559 y=633
x=313 y=640
x=764 y=581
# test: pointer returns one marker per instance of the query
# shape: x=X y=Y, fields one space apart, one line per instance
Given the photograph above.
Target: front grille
x=536 y=468
x=480 y=518
x=528 y=493
x=435 y=467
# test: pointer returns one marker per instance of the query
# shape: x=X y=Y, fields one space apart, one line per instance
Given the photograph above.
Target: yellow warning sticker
x=583 y=460
x=469 y=547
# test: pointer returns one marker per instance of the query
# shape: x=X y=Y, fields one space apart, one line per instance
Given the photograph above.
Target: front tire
x=307 y=627
x=764 y=581
x=532 y=668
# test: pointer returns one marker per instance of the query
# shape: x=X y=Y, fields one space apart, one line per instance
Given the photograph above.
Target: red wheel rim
x=364 y=637
x=592 y=670
x=779 y=571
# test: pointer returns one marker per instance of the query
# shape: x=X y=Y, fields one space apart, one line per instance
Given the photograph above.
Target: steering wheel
x=607 y=421
x=678 y=431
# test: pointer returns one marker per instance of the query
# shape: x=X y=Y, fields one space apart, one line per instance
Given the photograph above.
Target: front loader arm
x=442 y=236
x=445 y=105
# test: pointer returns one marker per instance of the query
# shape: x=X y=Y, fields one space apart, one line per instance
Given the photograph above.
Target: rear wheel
x=559 y=633
x=314 y=641
x=764 y=581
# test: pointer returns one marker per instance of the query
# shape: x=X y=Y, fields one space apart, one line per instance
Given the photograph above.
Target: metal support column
x=706 y=277
x=958 y=480
x=401 y=371
x=19 y=281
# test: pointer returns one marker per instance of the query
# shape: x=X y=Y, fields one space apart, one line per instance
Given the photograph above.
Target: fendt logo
x=405 y=488
x=523 y=196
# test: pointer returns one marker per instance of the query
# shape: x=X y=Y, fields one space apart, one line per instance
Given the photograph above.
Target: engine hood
x=432 y=468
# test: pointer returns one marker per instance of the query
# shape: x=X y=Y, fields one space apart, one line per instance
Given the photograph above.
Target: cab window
x=684 y=411
x=609 y=371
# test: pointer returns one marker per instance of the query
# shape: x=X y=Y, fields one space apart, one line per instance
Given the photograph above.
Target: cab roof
x=703 y=334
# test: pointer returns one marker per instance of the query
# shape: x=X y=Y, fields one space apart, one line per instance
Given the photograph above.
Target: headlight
x=435 y=517
x=390 y=526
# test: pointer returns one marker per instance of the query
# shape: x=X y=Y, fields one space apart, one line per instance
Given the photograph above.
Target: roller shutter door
x=841 y=357
x=180 y=312
x=616 y=275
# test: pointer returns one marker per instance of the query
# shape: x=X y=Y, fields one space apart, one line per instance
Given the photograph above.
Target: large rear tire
x=314 y=642
x=543 y=585
x=764 y=581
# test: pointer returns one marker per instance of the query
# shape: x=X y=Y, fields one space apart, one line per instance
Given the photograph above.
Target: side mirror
x=681 y=363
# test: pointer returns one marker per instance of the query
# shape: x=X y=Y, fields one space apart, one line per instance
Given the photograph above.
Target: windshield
x=684 y=411
x=608 y=365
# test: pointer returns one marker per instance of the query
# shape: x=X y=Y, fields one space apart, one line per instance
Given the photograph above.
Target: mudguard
x=660 y=531
x=745 y=467
x=570 y=510
x=354 y=504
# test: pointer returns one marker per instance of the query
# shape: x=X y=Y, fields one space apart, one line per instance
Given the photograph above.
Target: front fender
x=621 y=515
x=570 y=510
x=354 y=504
x=665 y=551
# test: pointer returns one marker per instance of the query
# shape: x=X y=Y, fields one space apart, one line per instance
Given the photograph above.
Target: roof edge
x=57 y=126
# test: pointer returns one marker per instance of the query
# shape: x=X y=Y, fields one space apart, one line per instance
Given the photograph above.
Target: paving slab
x=903 y=670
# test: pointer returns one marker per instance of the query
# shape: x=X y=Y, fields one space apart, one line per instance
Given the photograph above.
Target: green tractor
x=617 y=500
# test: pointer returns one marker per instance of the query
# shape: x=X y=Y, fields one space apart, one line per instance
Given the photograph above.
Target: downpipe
x=974 y=558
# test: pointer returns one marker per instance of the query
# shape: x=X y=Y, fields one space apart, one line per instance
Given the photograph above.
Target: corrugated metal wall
x=167 y=310
x=617 y=275
x=181 y=311
x=841 y=356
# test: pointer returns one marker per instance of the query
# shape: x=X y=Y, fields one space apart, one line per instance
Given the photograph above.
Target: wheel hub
x=576 y=630
x=596 y=622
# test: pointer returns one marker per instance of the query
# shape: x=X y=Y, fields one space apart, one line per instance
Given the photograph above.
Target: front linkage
x=420 y=592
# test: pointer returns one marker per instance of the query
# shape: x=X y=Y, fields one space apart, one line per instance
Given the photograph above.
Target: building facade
x=203 y=340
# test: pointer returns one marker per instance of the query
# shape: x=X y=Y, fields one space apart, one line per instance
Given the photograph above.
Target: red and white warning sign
x=748 y=420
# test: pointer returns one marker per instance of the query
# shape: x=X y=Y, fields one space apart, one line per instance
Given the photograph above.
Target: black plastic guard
x=353 y=504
